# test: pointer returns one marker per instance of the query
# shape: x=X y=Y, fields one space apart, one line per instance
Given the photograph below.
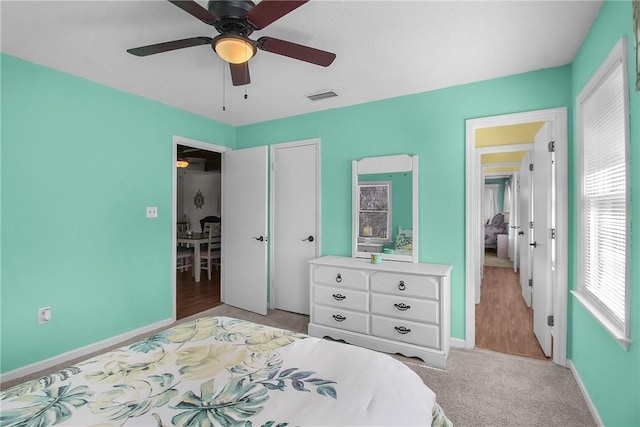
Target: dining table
x=196 y=239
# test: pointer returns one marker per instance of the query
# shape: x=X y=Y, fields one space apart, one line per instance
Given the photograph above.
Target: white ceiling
x=384 y=49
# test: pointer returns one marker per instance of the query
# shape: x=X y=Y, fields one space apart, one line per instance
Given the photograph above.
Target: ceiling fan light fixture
x=181 y=161
x=234 y=49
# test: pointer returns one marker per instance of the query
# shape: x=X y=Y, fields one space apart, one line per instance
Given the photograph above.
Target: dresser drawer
x=409 y=285
x=339 y=277
x=341 y=298
x=406 y=331
x=419 y=310
x=342 y=319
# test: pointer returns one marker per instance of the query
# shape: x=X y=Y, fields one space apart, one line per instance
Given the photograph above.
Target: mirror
x=385 y=207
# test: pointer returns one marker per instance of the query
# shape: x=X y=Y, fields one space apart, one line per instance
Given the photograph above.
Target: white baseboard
x=585 y=393
x=79 y=352
x=458 y=343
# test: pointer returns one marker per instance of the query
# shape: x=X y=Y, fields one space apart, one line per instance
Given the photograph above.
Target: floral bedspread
x=219 y=371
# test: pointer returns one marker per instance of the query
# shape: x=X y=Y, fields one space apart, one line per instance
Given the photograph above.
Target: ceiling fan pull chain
x=246 y=71
x=224 y=98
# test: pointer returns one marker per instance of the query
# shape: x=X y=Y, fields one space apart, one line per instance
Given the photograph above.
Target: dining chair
x=184 y=258
x=208 y=219
x=210 y=255
x=215 y=226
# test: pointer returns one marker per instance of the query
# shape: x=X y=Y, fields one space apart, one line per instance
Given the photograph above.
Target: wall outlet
x=44 y=315
x=152 y=212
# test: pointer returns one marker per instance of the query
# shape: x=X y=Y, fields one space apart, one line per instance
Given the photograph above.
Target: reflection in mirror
x=384 y=211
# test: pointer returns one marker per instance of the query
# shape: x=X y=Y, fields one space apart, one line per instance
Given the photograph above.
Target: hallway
x=503 y=321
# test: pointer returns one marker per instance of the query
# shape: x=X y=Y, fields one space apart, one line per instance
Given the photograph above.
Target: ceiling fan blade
x=296 y=51
x=168 y=46
x=268 y=11
x=194 y=9
x=240 y=74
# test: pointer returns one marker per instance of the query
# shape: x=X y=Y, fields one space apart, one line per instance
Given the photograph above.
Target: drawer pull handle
x=402 y=306
x=339 y=278
x=338 y=297
x=401 y=285
x=401 y=330
x=339 y=318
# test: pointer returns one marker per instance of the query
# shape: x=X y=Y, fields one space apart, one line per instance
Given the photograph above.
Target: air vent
x=322 y=95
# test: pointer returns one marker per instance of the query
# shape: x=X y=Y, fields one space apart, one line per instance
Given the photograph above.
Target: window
x=374 y=211
x=603 y=222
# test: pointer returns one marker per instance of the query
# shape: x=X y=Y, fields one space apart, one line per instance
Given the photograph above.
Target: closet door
x=295 y=200
x=244 y=229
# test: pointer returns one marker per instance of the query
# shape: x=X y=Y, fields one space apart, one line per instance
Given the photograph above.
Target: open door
x=525 y=220
x=543 y=238
x=515 y=222
x=244 y=229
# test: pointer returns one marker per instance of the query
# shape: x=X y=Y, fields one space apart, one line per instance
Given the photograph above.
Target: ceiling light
x=181 y=161
x=233 y=48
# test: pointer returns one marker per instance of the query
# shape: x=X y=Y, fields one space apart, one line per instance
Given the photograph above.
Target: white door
x=543 y=262
x=525 y=219
x=244 y=229
x=295 y=196
x=515 y=221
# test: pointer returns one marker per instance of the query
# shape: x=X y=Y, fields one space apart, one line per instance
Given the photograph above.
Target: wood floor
x=195 y=297
x=504 y=323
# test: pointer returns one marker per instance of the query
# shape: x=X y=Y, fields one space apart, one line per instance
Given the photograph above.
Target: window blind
x=604 y=195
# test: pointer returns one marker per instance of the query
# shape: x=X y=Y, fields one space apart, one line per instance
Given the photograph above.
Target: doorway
x=504 y=320
x=203 y=180
x=557 y=118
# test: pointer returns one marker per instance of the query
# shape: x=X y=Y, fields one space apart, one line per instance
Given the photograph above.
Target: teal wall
x=80 y=163
x=431 y=125
x=610 y=373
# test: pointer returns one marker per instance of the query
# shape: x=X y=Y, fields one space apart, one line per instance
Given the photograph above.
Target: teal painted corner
x=610 y=373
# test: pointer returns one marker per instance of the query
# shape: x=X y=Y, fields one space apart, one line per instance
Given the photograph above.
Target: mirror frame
x=385 y=164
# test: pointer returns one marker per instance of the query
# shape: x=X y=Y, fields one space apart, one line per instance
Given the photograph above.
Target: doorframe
x=272 y=179
x=193 y=143
x=473 y=230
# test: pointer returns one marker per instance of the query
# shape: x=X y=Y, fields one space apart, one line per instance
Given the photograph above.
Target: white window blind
x=603 y=222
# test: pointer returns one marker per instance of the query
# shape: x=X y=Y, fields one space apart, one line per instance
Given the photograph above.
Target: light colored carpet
x=491 y=260
x=478 y=388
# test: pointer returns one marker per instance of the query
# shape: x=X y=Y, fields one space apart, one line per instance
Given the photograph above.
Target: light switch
x=152 y=212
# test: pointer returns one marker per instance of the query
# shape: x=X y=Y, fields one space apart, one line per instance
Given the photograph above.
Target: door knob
x=520 y=233
x=534 y=244
x=310 y=238
x=261 y=238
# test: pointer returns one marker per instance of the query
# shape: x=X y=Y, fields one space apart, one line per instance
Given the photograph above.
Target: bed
x=220 y=371
x=492 y=229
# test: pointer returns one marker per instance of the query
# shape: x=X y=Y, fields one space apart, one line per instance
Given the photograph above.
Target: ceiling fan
x=235 y=20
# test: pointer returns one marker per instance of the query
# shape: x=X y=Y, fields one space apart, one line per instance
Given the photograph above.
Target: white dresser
x=394 y=307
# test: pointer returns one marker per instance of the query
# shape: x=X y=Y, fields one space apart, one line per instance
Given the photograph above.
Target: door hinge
x=531 y=167
x=552 y=233
x=531 y=283
x=552 y=146
x=531 y=224
x=550 y=320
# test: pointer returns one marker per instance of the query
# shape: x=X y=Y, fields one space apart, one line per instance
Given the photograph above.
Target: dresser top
x=392 y=266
